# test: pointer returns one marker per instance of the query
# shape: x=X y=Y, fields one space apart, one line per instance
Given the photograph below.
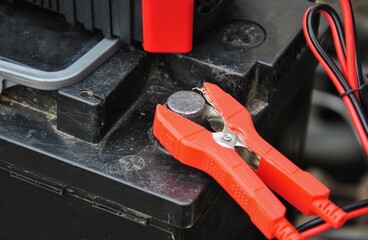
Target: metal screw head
x=227 y=137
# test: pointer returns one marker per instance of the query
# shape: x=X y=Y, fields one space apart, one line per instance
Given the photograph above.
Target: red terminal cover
x=167 y=25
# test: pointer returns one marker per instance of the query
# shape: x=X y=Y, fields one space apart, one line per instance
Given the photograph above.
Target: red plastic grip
x=298 y=187
x=167 y=25
x=194 y=146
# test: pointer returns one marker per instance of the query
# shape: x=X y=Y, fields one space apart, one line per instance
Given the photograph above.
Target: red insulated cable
x=349 y=105
x=350 y=45
x=325 y=226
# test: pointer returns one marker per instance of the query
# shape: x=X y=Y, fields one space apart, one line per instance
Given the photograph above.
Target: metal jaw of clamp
x=244 y=164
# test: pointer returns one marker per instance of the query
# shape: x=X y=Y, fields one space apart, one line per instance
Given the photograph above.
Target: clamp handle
x=194 y=146
x=298 y=187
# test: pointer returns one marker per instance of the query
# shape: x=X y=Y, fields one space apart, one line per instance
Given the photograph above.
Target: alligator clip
x=244 y=164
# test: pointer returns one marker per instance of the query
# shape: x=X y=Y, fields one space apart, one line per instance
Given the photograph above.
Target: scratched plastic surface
x=127 y=166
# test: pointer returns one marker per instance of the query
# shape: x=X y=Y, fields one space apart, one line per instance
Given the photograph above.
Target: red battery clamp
x=245 y=165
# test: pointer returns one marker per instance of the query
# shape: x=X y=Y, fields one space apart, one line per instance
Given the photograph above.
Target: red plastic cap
x=167 y=25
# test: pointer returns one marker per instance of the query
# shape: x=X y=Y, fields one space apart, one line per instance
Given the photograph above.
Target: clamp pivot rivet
x=227 y=137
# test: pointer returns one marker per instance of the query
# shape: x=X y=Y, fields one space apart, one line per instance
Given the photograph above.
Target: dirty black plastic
x=228 y=53
x=88 y=109
x=122 y=18
x=82 y=163
x=41 y=39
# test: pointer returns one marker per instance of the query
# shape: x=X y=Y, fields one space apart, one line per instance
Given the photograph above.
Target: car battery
x=162 y=26
x=81 y=162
